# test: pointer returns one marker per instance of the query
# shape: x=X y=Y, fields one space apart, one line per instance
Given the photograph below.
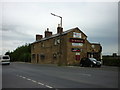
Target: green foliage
x=22 y=53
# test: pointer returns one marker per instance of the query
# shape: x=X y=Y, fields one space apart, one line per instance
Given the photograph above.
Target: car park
x=4 y=59
x=90 y=62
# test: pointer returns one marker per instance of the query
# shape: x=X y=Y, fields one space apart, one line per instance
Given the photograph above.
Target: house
x=64 y=48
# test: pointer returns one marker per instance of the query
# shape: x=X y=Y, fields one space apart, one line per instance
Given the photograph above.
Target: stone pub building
x=64 y=48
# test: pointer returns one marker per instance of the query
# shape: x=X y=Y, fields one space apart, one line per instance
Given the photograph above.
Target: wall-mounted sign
x=76 y=35
x=75 y=49
x=77 y=44
x=76 y=40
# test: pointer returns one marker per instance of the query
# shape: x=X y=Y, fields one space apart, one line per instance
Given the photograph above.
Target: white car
x=5 y=59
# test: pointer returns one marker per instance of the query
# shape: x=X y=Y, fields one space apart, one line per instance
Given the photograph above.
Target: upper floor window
x=42 y=44
x=93 y=46
x=33 y=47
x=56 y=41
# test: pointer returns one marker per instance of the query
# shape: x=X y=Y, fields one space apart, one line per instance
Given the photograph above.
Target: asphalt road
x=25 y=75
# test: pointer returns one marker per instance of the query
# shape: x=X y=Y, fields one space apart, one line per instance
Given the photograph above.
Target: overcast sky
x=21 y=21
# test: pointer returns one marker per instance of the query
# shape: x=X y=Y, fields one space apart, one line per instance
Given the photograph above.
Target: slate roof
x=56 y=35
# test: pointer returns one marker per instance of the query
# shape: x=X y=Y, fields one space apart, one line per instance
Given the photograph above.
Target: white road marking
x=28 y=79
x=48 y=86
x=34 y=81
x=40 y=83
x=24 y=77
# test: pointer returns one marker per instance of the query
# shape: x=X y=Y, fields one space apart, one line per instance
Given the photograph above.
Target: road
x=26 y=75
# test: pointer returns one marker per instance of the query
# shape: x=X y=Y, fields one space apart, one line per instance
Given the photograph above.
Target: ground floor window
x=54 y=56
x=42 y=56
x=33 y=56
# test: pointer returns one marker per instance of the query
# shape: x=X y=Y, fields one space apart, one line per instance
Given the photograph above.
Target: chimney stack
x=59 y=29
x=38 y=37
x=48 y=33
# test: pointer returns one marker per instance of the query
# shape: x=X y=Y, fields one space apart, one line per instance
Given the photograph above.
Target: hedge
x=111 y=62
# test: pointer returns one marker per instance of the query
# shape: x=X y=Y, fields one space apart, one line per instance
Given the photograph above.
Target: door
x=37 y=58
x=77 y=56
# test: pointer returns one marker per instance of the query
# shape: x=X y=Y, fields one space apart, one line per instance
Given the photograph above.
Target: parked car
x=4 y=59
x=90 y=62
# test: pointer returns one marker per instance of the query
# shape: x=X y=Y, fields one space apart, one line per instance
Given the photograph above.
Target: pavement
x=27 y=75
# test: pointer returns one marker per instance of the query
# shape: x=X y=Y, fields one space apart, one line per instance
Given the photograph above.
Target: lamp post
x=59 y=62
x=59 y=17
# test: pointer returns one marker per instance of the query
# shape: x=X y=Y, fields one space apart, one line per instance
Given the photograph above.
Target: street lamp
x=59 y=17
x=60 y=62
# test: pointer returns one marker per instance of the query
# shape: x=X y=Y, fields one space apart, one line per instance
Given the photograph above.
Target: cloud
x=10 y=32
x=14 y=36
x=21 y=21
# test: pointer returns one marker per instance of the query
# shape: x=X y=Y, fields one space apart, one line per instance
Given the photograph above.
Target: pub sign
x=76 y=35
x=76 y=40
x=75 y=49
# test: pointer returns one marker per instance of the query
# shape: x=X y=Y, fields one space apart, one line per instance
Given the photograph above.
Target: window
x=42 y=44
x=54 y=56
x=5 y=57
x=42 y=56
x=33 y=47
x=33 y=56
x=93 y=46
x=56 y=41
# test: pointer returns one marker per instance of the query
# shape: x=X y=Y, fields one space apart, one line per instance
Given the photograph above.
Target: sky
x=21 y=21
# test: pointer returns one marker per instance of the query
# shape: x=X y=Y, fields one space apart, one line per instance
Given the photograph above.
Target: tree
x=22 y=53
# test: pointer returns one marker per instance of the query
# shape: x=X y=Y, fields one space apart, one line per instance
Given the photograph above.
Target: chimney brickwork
x=38 y=37
x=48 y=33
x=59 y=29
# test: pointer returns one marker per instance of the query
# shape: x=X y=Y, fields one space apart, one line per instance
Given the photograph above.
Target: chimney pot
x=59 y=25
x=47 y=29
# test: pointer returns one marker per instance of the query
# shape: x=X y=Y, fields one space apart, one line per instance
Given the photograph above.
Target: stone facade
x=63 y=48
